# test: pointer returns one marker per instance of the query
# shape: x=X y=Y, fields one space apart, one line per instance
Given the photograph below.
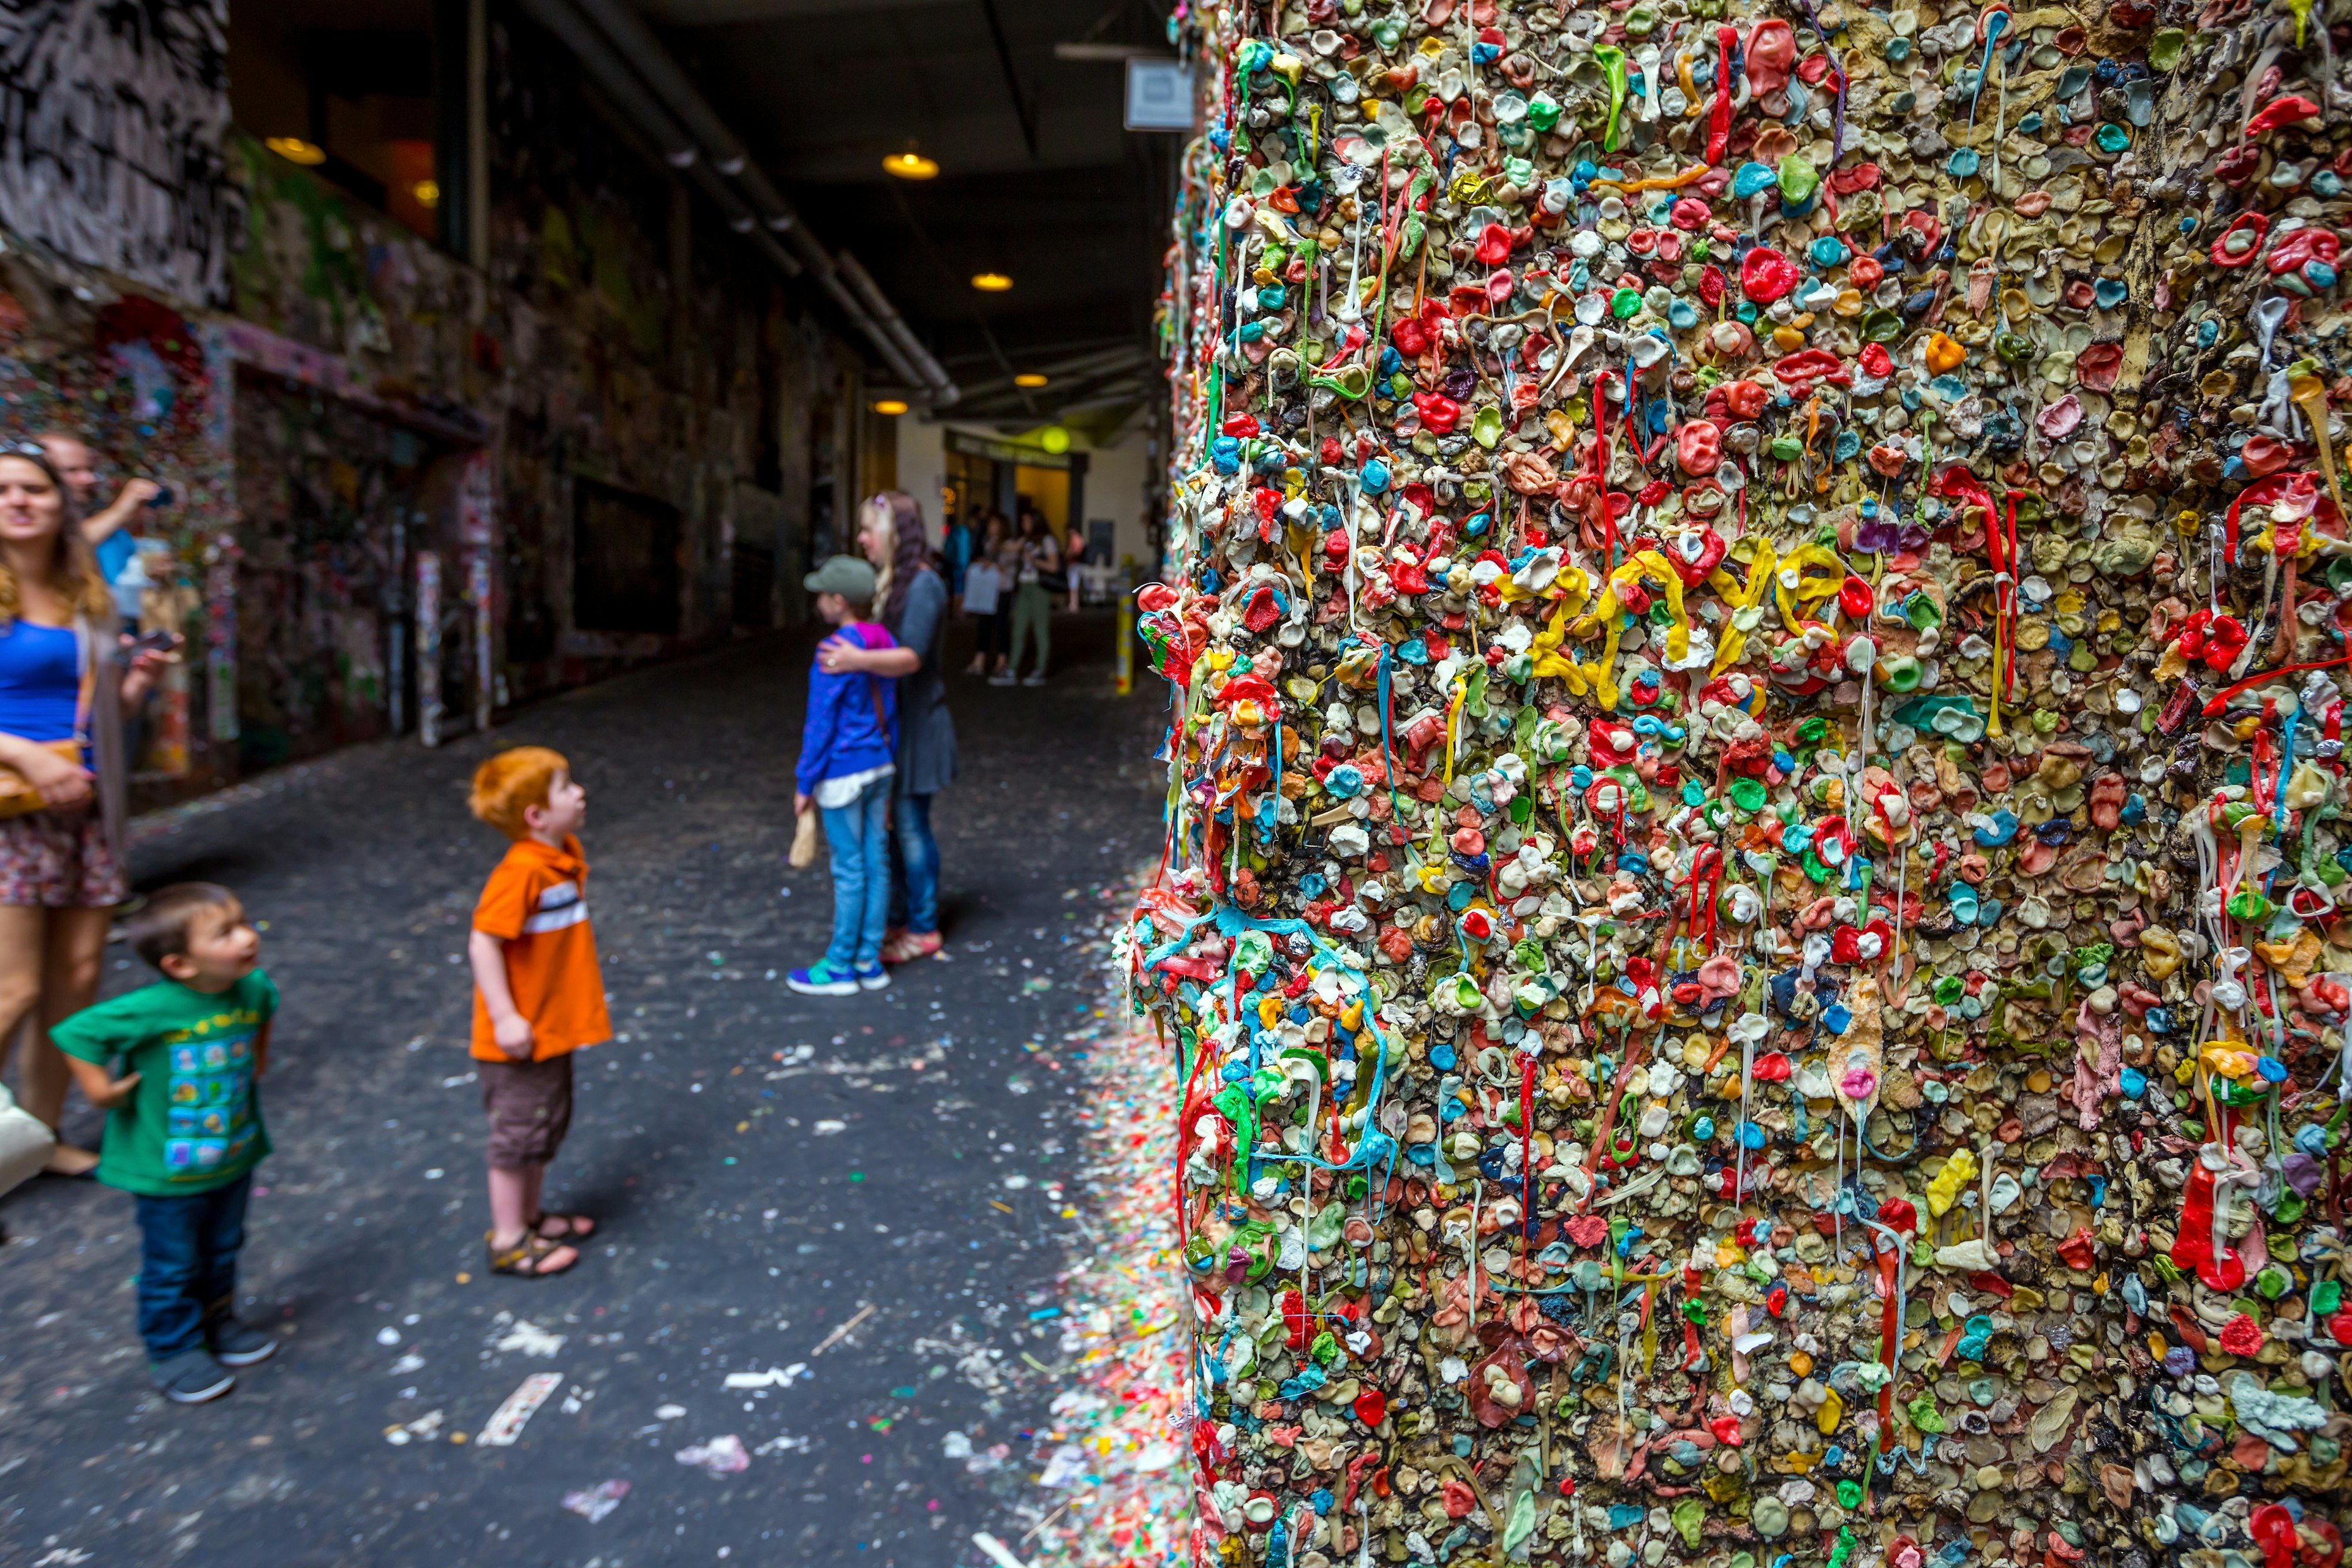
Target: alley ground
x=766 y=1167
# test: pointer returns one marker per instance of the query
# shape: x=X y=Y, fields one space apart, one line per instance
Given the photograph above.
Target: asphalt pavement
x=811 y=1191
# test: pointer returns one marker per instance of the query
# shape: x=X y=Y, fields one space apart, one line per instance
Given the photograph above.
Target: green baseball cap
x=846 y=575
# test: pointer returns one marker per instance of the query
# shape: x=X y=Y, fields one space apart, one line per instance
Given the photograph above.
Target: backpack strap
x=874 y=690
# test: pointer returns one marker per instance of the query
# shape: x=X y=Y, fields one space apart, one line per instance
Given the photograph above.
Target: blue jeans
x=188 y=1265
x=859 y=836
x=915 y=869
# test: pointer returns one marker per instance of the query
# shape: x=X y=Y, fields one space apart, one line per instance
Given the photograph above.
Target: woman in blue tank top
x=61 y=876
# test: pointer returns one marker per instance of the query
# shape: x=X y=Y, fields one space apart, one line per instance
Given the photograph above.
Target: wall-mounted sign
x=973 y=446
x=1159 y=95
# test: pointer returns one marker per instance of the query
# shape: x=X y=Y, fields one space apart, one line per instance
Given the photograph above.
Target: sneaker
x=823 y=978
x=192 y=1378
x=238 y=1344
x=875 y=979
x=907 y=946
x=1036 y=679
x=1004 y=677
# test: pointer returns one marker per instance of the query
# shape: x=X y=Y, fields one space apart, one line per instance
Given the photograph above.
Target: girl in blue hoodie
x=844 y=773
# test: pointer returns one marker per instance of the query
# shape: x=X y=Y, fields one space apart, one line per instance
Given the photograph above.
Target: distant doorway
x=337 y=505
x=625 y=575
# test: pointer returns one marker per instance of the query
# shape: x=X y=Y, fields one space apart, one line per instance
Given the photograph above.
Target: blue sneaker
x=823 y=978
x=874 y=977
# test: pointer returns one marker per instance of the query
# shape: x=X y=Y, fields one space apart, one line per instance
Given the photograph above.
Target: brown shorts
x=530 y=1108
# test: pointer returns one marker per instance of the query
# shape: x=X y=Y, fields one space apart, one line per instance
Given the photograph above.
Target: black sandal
x=532 y=1248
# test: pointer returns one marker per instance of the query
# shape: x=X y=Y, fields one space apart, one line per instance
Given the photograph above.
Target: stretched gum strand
x=1689 y=176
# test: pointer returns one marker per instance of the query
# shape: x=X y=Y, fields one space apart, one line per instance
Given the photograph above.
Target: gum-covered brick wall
x=1756 y=624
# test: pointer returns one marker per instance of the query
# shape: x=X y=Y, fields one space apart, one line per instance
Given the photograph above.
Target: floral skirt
x=59 y=859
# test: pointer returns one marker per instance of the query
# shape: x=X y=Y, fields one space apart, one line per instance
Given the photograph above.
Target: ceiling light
x=911 y=166
x=426 y=191
x=1054 y=439
x=294 y=149
x=890 y=406
x=991 y=282
x=1029 y=378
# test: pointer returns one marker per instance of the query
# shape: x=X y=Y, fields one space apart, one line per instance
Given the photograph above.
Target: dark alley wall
x=407 y=490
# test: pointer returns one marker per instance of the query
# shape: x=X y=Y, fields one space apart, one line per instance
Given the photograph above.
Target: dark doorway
x=754 y=585
x=625 y=575
x=336 y=503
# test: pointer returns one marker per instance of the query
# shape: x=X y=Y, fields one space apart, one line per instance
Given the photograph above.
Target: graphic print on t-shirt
x=560 y=906
x=210 y=1120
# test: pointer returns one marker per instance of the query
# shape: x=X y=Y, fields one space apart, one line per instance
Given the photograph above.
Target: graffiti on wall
x=111 y=120
x=331 y=497
x=615 y=331
x=143 y=387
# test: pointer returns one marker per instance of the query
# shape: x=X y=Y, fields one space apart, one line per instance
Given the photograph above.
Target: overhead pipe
x=684 y=151
x=863 y=305
x=939 y=391
x=625 y=28
x=893 y=326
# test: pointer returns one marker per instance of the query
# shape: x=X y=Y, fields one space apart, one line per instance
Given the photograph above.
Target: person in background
x=1008 y=576
x=847 y=741
x=912 y=604
x=1074 y=555
x=955 y=554
x=61 y=869
x=1038 y=580
x=115 y=541
x=107 y=528
x=984 y=593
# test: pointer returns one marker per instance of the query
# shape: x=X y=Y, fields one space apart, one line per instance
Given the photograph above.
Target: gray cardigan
x=927 y=748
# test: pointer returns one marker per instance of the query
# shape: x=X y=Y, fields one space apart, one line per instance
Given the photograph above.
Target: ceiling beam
x=1023 y=105
x=1023 y=333
x=1085 y=391
x=1088 y=364
x=989 y=154
x=1079 y=345
x=1126 y=397
x=721 y=13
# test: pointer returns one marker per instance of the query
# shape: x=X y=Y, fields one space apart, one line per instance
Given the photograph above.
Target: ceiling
x=1038 y=179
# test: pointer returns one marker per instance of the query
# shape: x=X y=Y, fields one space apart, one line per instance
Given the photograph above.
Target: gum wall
x=1756 y=625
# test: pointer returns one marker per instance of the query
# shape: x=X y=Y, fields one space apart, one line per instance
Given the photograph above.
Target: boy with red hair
x=539 y=995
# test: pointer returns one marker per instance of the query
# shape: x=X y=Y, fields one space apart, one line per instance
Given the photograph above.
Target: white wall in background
x=922 y=469
x=1113 y=486
x=1115 y=478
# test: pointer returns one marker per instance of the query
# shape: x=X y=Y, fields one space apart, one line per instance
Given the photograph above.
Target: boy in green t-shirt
x=185 y=1130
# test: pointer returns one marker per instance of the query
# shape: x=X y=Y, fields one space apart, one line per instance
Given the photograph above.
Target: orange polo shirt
x=536 y=901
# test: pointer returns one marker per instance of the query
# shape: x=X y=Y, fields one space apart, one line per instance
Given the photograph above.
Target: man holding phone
x=107 y=528
x=116 y=544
